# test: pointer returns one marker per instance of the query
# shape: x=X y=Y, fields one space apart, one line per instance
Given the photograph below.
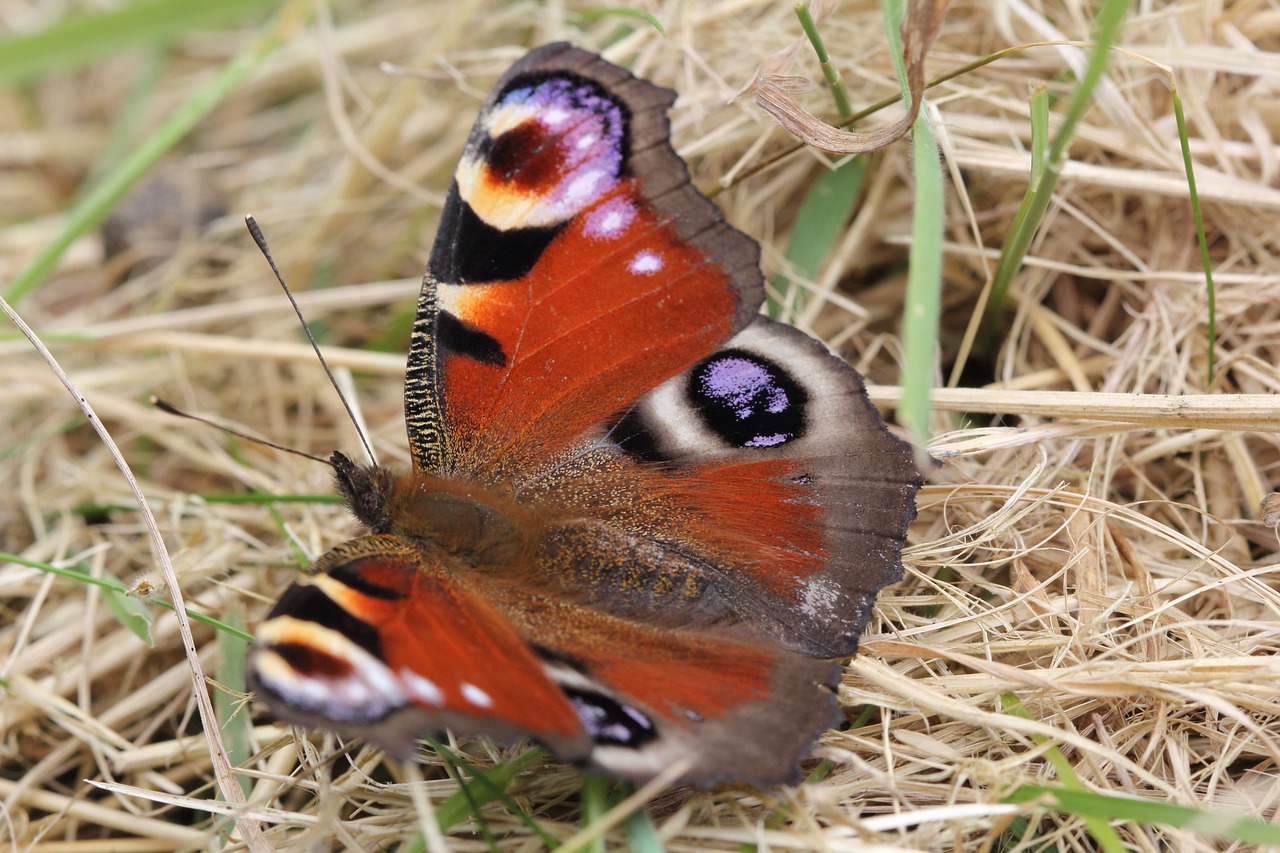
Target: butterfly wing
x=727 y=502
x=379 y=641
x=758 y=487
x=720 y=703
x=792 y=471
x=575 y=268
x=733 y=525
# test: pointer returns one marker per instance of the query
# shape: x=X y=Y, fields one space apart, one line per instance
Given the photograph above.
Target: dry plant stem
x=386 y=124
x=102 y=815
x=1245 y=412
x=227 y=782
x=773 y=91
x=920 y=698
x=240 y=811
x=313 y=303
x=428 y=823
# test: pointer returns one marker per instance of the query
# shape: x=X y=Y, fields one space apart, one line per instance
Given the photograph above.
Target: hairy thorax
x=481 y=527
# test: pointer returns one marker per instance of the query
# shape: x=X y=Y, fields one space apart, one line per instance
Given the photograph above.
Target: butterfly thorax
x=477 y=525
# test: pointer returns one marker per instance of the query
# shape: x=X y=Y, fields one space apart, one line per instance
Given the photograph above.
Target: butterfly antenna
x=171 y=409
x=256 y=233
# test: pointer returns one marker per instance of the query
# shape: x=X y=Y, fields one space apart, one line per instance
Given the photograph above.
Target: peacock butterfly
x=642 y=518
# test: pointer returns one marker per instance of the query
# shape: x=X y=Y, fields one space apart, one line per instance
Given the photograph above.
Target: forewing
x=575 y=268
x=376 y=642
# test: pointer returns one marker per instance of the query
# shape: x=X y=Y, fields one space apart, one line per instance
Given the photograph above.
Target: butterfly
x=642 y=518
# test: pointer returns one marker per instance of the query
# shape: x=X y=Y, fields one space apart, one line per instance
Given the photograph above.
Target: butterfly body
x=640 y=517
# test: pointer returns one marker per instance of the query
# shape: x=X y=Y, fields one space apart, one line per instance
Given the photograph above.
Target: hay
x=1097 y=555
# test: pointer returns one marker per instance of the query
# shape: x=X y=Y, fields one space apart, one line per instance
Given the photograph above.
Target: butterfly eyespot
x=550 y=147
x=526 y=157
x=312 y=660
x=748 y=400
x=610 y=722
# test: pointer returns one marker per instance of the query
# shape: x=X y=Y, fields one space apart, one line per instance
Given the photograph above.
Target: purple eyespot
x=748 y=400
x=562 y=137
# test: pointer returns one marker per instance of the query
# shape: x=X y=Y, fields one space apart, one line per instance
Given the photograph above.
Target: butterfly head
x=365 y=490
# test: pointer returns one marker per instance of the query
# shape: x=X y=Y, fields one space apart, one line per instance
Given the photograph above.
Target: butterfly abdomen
x=629 y=575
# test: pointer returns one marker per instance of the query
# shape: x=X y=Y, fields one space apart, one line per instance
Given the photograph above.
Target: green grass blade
x=90 y=210
x=819 y=223
x=1103 y=833
x=1025 y=220
x=485 y=786
x=829 y=204
x=112 y=584
x=922 y=308
x=1109 y=807
x=923 y=305
x=231 y=675
x=130 y=610
x=1040 y=132
x=597 y=13
x=595 y=803
x=642 y=833
x=77 y=41
x=1018 y=241
x=829 y=72
x=1210 y=292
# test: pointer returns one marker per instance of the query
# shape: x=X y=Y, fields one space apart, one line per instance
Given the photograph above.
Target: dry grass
x=1097 y=555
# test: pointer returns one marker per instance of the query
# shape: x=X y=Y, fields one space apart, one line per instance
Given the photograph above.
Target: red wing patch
x=595 y=324
x=374 y=631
